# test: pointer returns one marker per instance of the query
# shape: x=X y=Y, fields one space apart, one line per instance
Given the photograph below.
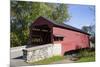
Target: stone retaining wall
x=41 y=52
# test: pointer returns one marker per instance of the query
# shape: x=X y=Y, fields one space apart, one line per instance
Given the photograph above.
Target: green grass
x=86 y=59
x=49 y=60
x=86 y=56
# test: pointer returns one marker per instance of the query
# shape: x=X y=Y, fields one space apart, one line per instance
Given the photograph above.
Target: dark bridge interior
x=40 y=35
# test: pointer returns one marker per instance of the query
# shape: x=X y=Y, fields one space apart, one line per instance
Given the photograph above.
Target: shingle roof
x=62 y=25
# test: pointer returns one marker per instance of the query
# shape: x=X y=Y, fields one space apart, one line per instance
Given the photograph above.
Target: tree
x=91 y=30
x=24 y=13
x=61 y=13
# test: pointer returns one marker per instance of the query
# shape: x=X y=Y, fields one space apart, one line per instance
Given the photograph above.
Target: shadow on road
x=20 y=57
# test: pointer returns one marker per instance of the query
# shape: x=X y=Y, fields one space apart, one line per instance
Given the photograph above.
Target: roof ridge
x=64 y=25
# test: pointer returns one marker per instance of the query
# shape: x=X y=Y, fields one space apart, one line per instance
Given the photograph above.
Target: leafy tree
x=61 y=13
x=24 y=13
x=91 y=30
x=14 y=40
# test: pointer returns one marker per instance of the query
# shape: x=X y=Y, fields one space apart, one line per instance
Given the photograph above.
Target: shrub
x=86 y=53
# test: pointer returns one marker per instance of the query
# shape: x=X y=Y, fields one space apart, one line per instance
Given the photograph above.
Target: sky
x=81 y=15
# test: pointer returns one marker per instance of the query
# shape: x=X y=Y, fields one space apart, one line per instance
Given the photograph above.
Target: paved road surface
x=16 y=57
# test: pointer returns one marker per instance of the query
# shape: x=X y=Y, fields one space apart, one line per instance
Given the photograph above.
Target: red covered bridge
x=65 y=37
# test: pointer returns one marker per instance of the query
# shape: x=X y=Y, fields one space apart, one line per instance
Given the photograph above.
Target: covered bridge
x=61 y=37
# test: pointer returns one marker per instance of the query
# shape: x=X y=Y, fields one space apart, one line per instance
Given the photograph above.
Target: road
x=16 y=57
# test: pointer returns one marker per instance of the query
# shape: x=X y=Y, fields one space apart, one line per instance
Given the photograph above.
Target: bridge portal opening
x=40 y=35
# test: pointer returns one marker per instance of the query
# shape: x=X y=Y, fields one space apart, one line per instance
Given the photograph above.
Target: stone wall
x=41 y=52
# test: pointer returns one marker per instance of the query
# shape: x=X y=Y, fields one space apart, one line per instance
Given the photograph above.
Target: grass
x=86 y=59
x=49 y=60
x=87 y=55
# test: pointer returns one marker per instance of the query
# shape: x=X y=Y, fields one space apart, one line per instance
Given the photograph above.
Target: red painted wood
x=72 y=40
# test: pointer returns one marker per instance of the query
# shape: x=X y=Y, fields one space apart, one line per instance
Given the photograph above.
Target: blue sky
x=81 y=15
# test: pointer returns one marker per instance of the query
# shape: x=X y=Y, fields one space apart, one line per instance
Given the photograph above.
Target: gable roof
x=62 y=25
